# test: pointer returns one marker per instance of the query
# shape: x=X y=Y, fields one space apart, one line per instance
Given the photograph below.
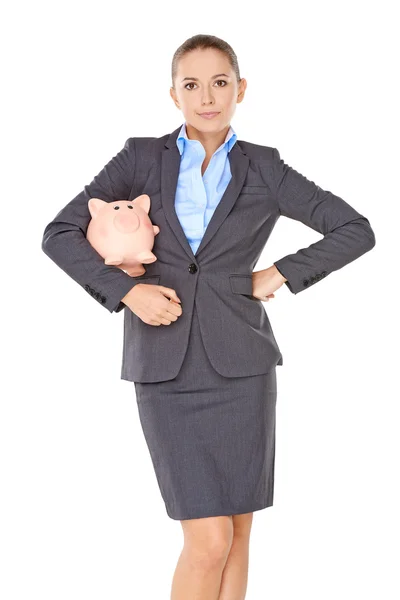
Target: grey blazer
x=236 y=331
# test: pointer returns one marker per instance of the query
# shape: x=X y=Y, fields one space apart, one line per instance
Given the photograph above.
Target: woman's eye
x=218 y=81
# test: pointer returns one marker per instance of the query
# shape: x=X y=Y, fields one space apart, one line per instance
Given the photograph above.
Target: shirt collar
x=183 y=139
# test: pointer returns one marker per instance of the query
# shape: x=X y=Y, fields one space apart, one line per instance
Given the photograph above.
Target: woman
x=211 y=437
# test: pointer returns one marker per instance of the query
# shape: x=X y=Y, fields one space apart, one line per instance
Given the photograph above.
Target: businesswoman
x=211 y=437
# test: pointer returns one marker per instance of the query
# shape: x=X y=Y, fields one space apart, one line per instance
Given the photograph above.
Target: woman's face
x=197 y=89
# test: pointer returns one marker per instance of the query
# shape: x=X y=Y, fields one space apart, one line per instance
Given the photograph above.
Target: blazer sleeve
x=64 y=238
x=347 y=233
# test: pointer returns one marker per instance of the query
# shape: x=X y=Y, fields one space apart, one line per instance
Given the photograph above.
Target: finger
x=170 y=293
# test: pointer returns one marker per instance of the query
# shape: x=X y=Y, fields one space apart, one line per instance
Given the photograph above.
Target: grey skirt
x=211 y=438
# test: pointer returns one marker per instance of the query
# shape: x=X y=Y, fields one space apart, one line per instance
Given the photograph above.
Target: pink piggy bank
x=122 y=233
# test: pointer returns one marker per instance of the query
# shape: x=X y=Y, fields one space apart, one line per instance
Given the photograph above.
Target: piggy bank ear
x=143 y=201
x=95 y=205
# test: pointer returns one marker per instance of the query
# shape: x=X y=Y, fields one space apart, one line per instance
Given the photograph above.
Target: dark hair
x=201 y=42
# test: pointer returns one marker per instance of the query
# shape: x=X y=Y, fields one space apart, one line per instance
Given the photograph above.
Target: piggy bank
x=122 y=233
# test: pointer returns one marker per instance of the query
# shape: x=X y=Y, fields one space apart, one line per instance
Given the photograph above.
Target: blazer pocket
x=154 y=279
x=255 y=189
x=242 y=284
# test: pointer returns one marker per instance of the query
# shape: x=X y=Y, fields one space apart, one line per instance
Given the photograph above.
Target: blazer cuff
x=296 y=282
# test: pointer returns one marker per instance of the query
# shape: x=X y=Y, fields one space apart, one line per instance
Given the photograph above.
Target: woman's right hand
x=153 y=304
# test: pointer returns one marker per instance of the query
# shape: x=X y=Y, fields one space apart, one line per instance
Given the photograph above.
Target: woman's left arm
x=347 y=234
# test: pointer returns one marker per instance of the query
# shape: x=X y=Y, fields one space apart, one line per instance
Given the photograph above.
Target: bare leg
x=235 y=573
x=199 y=570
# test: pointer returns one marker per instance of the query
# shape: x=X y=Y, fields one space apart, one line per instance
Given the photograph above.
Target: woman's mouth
x=208 y=115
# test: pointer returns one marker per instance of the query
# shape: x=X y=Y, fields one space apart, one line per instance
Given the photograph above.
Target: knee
x=208 y=555
x=207 y=545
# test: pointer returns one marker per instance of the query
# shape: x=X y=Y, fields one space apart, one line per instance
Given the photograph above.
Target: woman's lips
x=209 y=115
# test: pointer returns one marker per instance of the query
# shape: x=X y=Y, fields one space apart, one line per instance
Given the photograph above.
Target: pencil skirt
x=211 y=438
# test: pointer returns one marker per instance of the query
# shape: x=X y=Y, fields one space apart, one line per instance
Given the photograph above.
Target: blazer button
x=192 y=268
x=305 y=282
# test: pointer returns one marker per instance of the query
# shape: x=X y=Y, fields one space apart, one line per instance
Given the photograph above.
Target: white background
x=81 y=514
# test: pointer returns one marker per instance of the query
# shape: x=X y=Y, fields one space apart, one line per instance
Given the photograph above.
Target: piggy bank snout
x=126 y=222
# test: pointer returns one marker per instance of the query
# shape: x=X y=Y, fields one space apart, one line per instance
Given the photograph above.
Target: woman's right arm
x=64 y=238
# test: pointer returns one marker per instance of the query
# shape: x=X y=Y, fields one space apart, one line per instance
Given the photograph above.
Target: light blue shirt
x=198 y=196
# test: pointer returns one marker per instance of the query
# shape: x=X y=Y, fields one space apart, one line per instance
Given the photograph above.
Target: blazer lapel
x=170 y=164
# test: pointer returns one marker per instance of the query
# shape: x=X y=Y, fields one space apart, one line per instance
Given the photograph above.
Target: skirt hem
x=201 y=513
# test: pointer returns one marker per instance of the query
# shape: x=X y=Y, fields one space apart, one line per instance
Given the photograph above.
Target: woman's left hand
x=266 y=282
